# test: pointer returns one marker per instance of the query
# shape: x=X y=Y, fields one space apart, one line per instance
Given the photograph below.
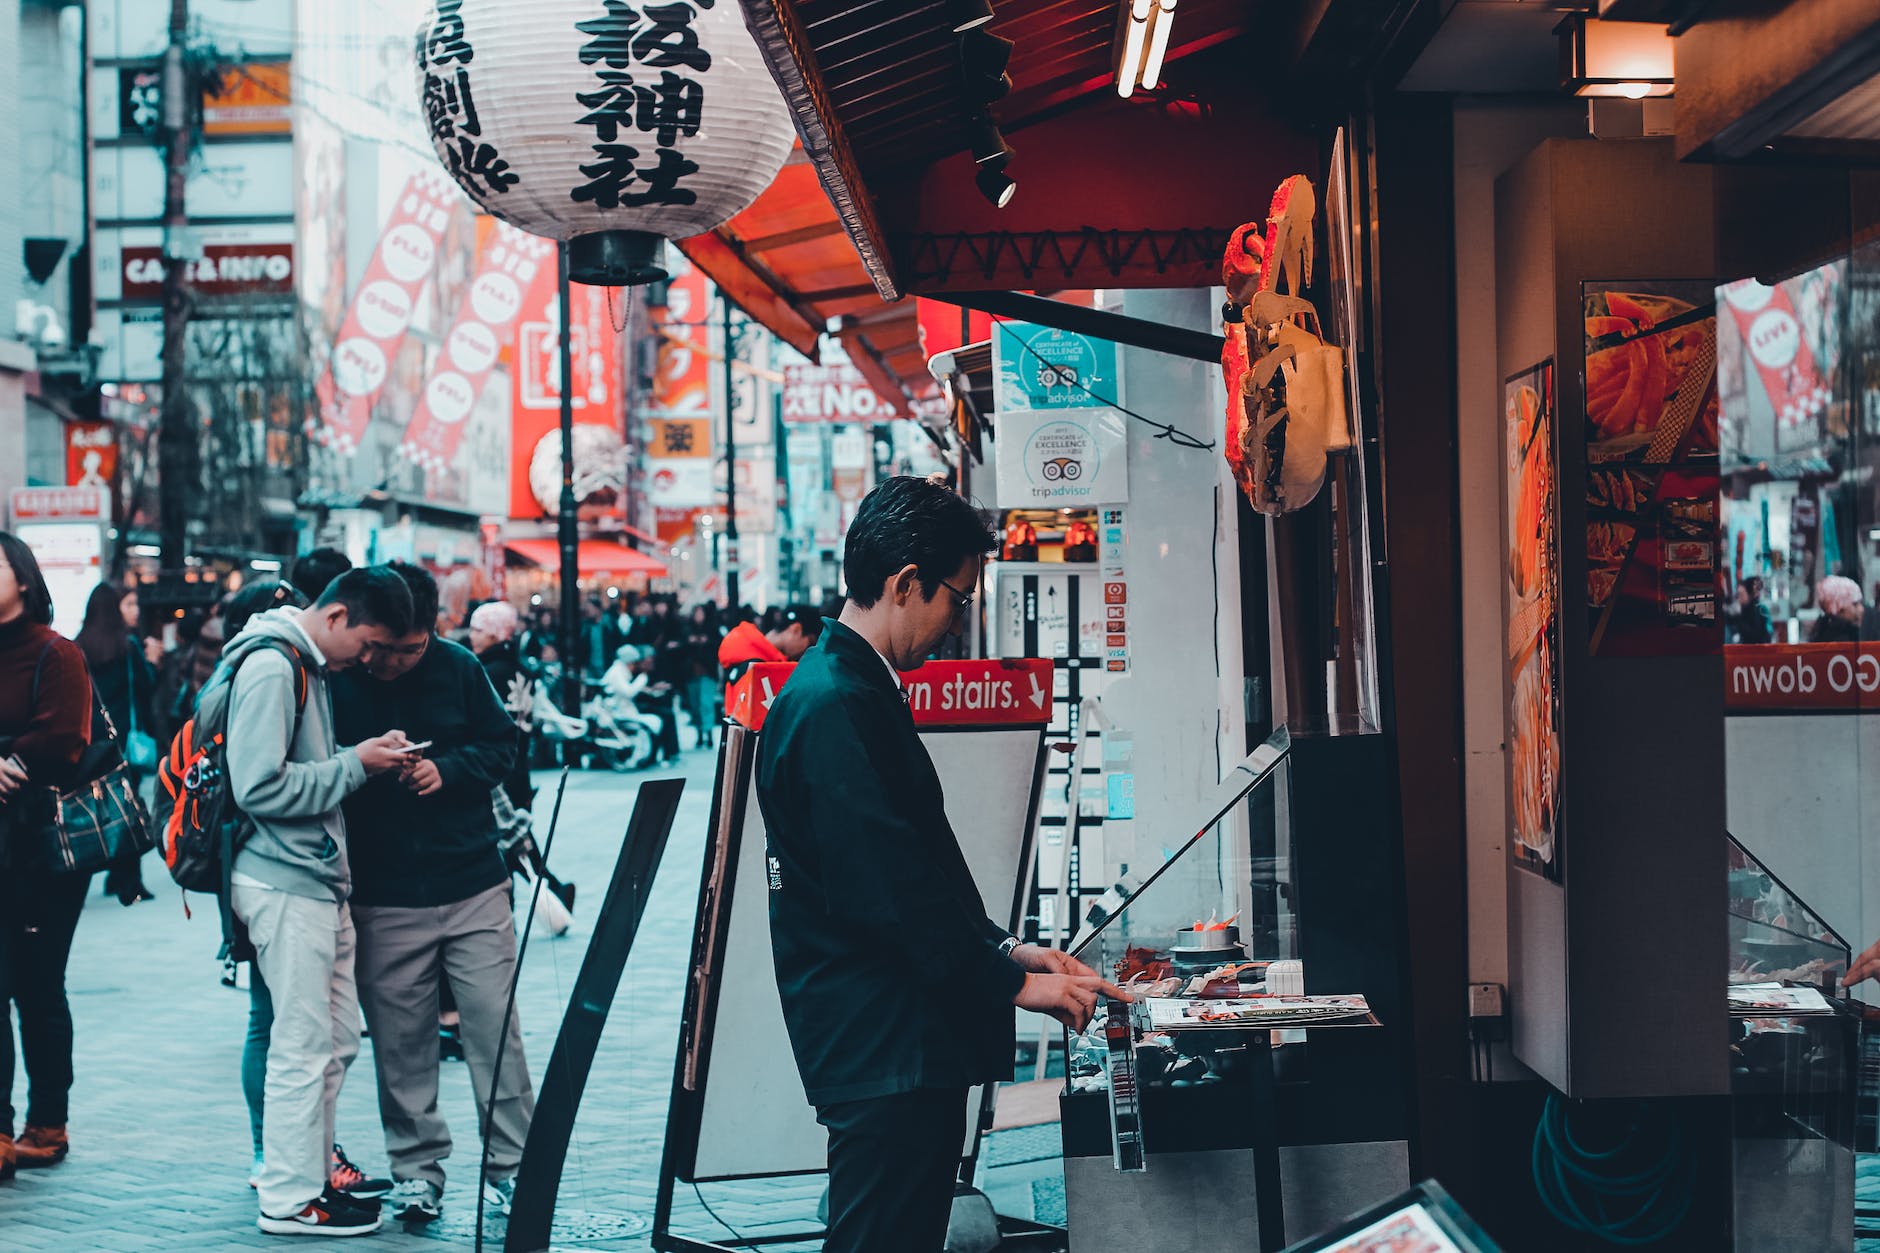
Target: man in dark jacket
x=897 y=989
x=431 y=901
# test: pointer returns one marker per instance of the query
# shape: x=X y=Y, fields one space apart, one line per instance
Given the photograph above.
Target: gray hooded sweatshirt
x=292 y=791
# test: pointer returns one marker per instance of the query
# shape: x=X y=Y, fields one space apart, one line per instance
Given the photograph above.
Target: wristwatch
x=1009 y=943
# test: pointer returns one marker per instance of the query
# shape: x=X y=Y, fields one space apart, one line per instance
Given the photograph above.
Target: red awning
x=788 y=263
x=594 y=557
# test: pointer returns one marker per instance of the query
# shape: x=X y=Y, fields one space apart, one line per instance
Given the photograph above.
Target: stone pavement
x=160 y=1131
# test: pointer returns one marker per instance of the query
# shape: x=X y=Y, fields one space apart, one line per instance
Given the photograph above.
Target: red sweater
x=47 y=735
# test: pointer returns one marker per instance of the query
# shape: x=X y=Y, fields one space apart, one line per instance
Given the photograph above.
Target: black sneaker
x=330 y=1215
x=415 y=1201
x=349 y=1181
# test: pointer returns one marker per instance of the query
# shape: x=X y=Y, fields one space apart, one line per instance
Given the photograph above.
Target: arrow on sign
x=1037 y=691
x=769 y=692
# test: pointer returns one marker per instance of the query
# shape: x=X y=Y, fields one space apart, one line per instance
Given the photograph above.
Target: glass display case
x=1794 y=1050
x=1196 y=1071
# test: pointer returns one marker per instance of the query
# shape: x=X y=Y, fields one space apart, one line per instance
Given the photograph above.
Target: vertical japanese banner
x=682 y=374
x=508 y=266
x=535 y=405
x=380 y=313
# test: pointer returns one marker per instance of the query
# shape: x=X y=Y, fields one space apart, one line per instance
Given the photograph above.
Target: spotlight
x=987 y=143
x=995 y=184
x=983 y=58
x=966 y=14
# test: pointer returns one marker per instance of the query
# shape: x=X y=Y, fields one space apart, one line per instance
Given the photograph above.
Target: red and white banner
x=1802 y=678
x=508 y=267
x=999 y=693
x=381 y=310
x=831 y=393
x=1772 y=334
x=535 y=404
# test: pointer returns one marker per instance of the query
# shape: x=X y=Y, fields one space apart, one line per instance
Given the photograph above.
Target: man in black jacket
x=897 y=989
x=431 y=902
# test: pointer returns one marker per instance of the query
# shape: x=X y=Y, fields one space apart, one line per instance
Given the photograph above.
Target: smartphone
x=415 y=748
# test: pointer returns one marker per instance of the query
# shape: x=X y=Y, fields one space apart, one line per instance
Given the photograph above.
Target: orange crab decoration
x=1285 y=384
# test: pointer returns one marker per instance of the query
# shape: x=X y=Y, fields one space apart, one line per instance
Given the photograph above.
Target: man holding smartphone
x=431 y=899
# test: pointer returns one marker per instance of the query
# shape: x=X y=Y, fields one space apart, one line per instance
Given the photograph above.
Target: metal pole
x=731 y=469
x=176 y=438
x=567 y=530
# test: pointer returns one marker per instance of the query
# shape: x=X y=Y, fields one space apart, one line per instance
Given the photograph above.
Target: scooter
x=606 y=732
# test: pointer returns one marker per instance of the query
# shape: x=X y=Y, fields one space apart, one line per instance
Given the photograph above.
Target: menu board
x=1653 y=548
x=1533 y=619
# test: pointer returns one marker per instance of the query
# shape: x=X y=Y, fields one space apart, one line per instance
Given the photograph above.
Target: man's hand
x=1866 y=966
x=380 y=753
x=1071 y=999
x=1048 y=961
x=422 y=777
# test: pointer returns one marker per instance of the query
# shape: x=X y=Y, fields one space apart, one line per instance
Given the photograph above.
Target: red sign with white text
x=60 y=504
x=1802 y=678
x=1003 y=693
x=535 y=402
x=486 y=320
x=90 y=454
x=375 y=325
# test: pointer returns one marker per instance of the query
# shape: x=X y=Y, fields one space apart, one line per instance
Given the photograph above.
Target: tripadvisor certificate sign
x=1061 y=443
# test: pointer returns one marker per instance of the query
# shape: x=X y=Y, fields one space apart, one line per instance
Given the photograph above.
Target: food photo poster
x=1533 y=618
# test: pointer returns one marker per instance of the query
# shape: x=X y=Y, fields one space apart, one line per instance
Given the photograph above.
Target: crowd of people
x=377 y=757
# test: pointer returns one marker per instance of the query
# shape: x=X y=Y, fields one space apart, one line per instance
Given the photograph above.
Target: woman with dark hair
x=702 y=638
x=45 y=724
x=127 y=685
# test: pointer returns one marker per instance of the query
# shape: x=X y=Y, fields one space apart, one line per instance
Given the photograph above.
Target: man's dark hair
x=34 y=595
x=909 y=521
x=259 y=597
x=373 y=596
x=806 y=616
x=316 y=568
x=423 y=589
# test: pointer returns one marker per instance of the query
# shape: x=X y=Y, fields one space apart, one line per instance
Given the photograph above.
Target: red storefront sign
x=682 y=372
x=830 y=393
x=507 y=267
x=381 y=311
x=535 y=402
x=1002 y=693
x=1802 y=678
x=90 y=454
x=60 y=504
x=222 y=270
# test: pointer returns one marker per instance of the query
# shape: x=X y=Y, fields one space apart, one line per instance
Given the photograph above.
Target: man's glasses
x=964 y=601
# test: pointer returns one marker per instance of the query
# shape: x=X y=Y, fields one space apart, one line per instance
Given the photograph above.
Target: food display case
x=1794 y=1051
x=1194 y=1101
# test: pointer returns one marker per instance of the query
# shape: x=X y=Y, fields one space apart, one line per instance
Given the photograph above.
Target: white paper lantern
x=612 y=124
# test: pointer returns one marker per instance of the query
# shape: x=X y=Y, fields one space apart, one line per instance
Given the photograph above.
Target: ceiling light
x=983 y=58
x=987 y=143
x=1159 y=29
x=1132 y=38
x=1631 y=60
x=995 y=184
x=966 y=14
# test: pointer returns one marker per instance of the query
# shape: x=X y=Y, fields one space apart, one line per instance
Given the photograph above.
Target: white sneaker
x=499 y=1196
x=414 y=1201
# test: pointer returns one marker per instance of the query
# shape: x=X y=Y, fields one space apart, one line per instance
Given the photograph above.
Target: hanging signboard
x=682 y=482
x=238 y=269
x=1041 y=367
x=830 y=393
x=1062 y=459
x=90 y=454
x=600 y=454
x=682 y=375
x=678 y=437
x=1060 y=444
x=381 y=311
x=251 y=99
x=510 y=262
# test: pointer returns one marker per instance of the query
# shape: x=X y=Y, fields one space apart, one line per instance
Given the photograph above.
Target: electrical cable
x=737 y=1236
x=1637 y=1172
x=1173 y=434
x=509 y=1009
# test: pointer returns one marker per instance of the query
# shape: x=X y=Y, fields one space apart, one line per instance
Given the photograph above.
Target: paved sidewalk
x=160 y=1131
